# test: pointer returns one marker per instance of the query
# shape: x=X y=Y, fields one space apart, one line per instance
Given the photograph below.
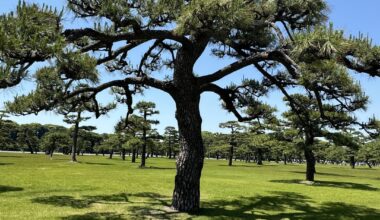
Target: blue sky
x=350 y=15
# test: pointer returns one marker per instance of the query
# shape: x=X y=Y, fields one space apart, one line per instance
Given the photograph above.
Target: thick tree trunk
x=186 y=195
x=352 y=161
x=259 y=156
x=310 y=164
x=111 y=154
x=186 y=92
x=285 y=159
x=309 y=156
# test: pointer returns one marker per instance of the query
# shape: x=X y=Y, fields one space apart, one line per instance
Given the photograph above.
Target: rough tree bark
x=186 y=195
x=310 y=159
x=310 y=164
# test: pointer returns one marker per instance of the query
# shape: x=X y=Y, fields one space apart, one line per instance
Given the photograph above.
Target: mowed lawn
x=35 y=187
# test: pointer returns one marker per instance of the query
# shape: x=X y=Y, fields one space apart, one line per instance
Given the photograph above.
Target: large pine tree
x=280 y=38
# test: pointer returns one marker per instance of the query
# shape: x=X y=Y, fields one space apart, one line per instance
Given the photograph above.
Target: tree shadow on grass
x=9 y=156
x=344 y=185
x=81 y=203
x=253 y=165
x=95 y=216
x=160 y=168
x=4 y=189
x=155 y=206
x=94 y=163
x=144 y=205
x=277 y=205
x=3 y=164
x=365 y=168
x=323 y=174
x=274 y=206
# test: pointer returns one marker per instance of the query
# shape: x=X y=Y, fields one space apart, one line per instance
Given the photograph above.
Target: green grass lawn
x=35 y=187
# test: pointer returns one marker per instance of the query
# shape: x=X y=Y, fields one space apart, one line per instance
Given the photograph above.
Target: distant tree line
x=245 y=143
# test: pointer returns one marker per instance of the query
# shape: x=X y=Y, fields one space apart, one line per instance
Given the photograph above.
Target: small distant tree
x=74 y=111
x=74 y=118
x=234 y=127
x=121 y=139
x=27 y=136
x=311 y=117
x=288 y=140
x=259 y=144
x=91 y=138
x=370 y=153
x=131 y=127
x=133 y=144
x=171 y=139
x=152 y=141
x=54 y=140
x=8 y=135
x=334 y=154
x=146 y=109
x=352 y=140
x=112 y=143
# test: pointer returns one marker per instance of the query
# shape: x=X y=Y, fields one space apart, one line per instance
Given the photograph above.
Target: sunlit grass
x=35 y=187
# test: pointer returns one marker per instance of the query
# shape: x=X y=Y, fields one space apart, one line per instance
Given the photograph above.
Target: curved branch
x=19 y=74
x=76 y=34
x=224 y=95
x=279 y=85
x=372 y=70
x=164 y=86
x=276 y=55
x=233 y=67
x=119 y=51
x=146 y=55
